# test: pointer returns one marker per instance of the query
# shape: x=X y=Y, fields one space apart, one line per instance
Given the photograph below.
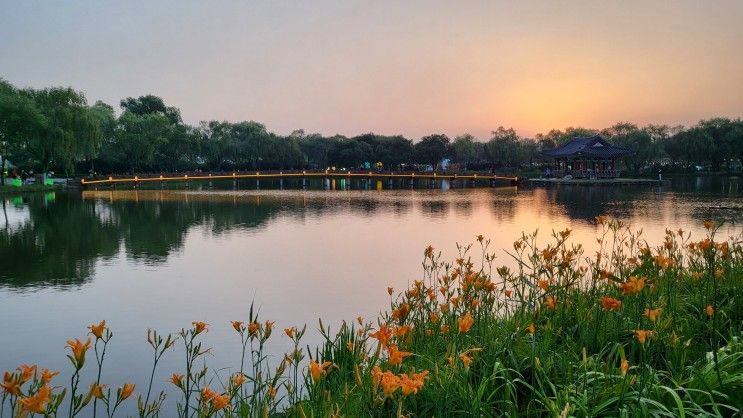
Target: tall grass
x=631 y=330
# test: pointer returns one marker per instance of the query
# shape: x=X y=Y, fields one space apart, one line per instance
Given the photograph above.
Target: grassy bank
x=29 y=188
x=632 y=330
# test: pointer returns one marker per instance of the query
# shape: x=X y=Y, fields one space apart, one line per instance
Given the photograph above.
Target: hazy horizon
x=412 y=69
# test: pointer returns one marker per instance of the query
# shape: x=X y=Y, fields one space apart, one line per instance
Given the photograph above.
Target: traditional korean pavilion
x=586 y=157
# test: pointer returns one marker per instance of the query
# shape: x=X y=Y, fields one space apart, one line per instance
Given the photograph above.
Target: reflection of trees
x=587 y=202
x=63 y=238
x=59 y=245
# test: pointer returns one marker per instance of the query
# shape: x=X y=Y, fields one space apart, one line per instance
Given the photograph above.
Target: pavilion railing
x=590 y=174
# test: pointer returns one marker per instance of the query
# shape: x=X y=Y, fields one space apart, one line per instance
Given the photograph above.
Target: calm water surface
x=161 y=259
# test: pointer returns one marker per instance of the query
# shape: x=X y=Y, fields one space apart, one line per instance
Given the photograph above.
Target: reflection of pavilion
x=587 y=157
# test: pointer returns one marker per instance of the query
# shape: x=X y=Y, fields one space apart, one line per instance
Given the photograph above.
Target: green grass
x=556 y=336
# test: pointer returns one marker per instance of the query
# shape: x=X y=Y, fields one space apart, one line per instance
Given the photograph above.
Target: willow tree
x=19 y=120
x=70 y=130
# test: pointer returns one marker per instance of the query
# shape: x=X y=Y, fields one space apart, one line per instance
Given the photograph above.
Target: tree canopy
x=55 y=129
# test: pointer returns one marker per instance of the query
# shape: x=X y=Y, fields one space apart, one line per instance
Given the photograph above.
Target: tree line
x=56 y=129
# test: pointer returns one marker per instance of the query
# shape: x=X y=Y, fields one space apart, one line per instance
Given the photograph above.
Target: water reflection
x=162 y=259
x=56 y=239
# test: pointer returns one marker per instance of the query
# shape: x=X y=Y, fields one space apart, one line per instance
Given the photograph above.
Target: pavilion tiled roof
x=591 y=146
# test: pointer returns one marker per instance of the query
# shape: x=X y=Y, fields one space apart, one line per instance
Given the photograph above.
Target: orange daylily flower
x=551 y=302
x=401 y=312
x=401 y=331
x=318 y=370
x=383 y=335
x=434 y=317
x=238 y=326
x=390 y=383
x=177 y=379
x=601 y=219
x=199 y=327
x=290 y=332
x=96 y=390
x=531 y=328
x=709 y=224
x=633 y=285
x=508 y=293
x=126 y=391
x=11 y=384
x=79 y=349
x=624 y=367
x=652 y=314
x=47 y=376
x=444 y=328
x=390 y=290
x=709 y=310
x=349 y=345
x=544 y=285
x=611 y=304
x=268 y=328
x=220 y=402
x=26 y=372
x=412 y=383
x=396 y=356
x=253 y=328
x=642 y=335
x=207 y=394
x=98 y=329
x=37 y=403
x=466 y=360
x=663 y=262
x=465 y=323
x=705 y=244
x=429 y=252
x=238 y=379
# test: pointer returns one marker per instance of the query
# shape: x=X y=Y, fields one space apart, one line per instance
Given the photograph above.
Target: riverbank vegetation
x=56 y=129
x=632 y=330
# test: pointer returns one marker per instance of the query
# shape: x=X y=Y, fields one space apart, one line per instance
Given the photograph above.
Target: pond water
x=162 y=258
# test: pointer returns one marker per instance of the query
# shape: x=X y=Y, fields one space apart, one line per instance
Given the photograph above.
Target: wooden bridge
x=328 y=174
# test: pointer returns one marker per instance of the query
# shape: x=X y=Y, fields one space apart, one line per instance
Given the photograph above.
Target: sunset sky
x=411 y=68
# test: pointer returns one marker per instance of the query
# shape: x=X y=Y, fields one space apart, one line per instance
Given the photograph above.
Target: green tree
x=504 y=148
x=139 y=137
x=465 y=149
x=639 y=140
x=431 y=149
x=20 y=120
x=148 y=104
x=106 y=118
x=69 y=131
